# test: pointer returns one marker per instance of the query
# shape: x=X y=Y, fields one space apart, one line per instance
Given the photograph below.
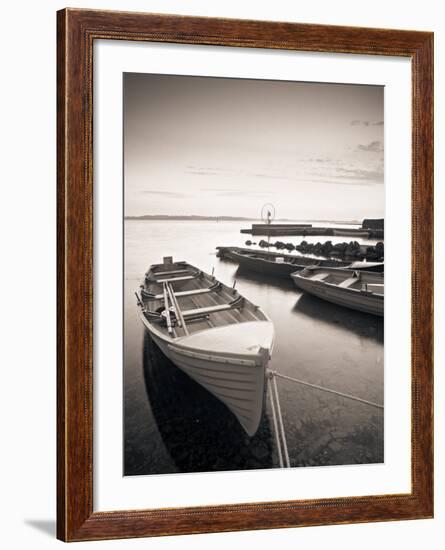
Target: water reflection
x=245 y=274
x=198 y=431
x=361 y=324
x=173 y=425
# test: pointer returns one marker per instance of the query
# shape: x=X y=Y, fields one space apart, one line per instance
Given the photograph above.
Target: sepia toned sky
x=214 y=146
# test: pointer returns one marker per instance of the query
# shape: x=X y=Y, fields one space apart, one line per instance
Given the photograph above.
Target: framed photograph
x=232 y=352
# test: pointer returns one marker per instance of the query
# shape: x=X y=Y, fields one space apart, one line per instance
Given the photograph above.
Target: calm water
x=173 y=425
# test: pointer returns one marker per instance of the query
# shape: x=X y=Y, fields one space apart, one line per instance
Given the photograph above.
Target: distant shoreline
x=162 y=217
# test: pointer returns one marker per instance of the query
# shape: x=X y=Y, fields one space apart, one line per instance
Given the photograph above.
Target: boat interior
x=181 y=300
x=346 y=278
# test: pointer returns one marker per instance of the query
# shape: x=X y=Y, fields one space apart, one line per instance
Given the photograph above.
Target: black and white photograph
x=253 y=274
x=200 y=197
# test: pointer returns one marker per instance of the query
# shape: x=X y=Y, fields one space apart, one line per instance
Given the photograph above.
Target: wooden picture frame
x=77 y=31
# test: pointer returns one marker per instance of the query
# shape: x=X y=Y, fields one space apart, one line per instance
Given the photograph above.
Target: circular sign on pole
x=267 y=216
x=268 y=213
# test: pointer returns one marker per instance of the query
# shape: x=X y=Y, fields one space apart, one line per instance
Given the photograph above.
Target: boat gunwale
x=178 y=341
x=317 y=262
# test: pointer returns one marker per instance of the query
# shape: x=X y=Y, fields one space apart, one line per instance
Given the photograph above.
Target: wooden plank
x=207 y=310
x=187 y=293
x=318 y=277
x=172 y=279
x=348 y=282
x=175 y=272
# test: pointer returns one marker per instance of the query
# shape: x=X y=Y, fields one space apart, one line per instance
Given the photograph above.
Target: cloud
x=202 y=173
x=231 y=173
x=373 y=147
x=342 y=181
x=349 y=176
x=271 y=176
x=366 y=123
x=170 y=194
x=210 y=171
x=245 y=193
x=322 y=160
x=222 y=192
x=360 y=174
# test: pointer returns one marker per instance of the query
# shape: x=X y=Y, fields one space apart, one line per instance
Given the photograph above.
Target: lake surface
x=171 y=424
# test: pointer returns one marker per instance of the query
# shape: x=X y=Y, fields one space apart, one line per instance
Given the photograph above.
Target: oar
x=178 y=312
x=167 y=310
x=140 y=304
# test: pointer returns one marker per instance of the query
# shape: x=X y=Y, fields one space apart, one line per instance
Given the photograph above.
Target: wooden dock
x=307 y=230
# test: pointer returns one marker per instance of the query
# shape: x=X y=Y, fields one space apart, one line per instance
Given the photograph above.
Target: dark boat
x=282 y=265
x=347 y=232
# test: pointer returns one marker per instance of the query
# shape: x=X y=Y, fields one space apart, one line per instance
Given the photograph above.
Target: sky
x=224 y=147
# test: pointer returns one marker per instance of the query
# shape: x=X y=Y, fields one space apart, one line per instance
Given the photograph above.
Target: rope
x=280 y=434
x=274 y=417
x=280 y=423
x=328 y=390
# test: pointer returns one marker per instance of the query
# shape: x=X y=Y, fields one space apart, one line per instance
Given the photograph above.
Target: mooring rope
x=328 y=390
x=280 y=423
x=275 y=423
x=280 y=434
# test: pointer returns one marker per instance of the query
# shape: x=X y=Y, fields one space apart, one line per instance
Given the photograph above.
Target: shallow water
x=173 y=425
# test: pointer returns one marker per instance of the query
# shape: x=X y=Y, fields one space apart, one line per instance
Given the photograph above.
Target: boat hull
x=236 y=378
x=239 y=386
x=265 y=263
x=276 y=269
x=360 y=301
x=350 y=233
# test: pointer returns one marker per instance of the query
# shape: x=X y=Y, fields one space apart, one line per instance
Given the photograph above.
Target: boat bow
x=230 y=362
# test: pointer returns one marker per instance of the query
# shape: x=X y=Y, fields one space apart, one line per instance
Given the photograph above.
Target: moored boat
x=346 y=232
x=212 y=333
x=282 y=265
x=359 y=290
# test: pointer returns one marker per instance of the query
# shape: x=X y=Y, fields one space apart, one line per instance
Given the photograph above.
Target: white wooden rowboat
x=212 y=333
x=360 y=290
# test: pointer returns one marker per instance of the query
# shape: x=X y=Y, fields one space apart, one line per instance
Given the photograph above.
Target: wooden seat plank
x=175 y=272
x=213 y=309
x=319 y=276
x=187 y=293
x=173 y=279
x=206 y=310
x=348 y=282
